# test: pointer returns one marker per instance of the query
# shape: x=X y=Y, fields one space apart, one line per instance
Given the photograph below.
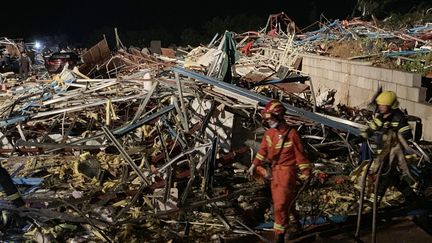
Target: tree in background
x=384 y=8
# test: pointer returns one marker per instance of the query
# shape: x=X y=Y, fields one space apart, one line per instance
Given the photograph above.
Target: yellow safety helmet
x=387 y=98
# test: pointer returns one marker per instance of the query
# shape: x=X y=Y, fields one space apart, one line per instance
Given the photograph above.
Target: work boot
x=294 y=231
x=279 y=238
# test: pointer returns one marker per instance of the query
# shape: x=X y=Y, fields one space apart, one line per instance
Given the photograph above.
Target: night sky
x=80 y=20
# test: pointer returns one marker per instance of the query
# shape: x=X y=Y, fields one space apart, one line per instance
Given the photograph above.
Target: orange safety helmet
x=273 y=108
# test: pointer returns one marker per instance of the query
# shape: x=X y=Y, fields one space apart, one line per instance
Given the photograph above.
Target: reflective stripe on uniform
x=372 y=125
x=259 y=157
x=278 y=227
x=278 y=145
x=410 y=156
x=404 y=129
x=287 y=144
x=304 y=166
x=394 y=124
x=268 y=139
x=386 y=124
x=377 y=121
x=13 y=196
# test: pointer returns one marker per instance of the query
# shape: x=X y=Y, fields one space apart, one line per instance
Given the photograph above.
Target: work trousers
x=283 y=187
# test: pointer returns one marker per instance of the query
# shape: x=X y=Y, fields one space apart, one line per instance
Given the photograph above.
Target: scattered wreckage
x=148 y=148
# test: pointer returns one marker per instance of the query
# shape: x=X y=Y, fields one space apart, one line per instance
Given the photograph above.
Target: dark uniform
x=378 y=133
x=379 y=125
x=10 y=189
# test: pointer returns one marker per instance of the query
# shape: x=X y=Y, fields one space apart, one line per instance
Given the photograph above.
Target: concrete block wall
x=356 y=83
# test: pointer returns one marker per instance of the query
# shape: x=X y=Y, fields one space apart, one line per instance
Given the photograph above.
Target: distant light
x=37 y=45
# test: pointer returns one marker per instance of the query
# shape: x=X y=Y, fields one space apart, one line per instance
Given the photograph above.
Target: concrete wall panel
x=356 y=83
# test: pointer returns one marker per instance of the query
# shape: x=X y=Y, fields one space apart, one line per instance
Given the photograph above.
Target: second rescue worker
x=390 y=118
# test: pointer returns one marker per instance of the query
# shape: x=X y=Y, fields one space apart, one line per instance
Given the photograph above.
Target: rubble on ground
x=140 y=147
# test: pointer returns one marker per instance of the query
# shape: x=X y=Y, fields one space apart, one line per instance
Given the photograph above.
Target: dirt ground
x=372 y=51
x=344 y=49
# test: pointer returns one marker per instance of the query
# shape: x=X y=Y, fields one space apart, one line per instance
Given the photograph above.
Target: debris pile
x=136 y=146
x=357 y=39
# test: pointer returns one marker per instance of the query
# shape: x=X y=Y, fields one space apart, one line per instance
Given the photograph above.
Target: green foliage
x=396 y=21
x=420 y=64
x=384 y=8
x=373 y=46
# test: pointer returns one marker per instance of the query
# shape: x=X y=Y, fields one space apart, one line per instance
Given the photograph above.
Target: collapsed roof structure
x=134 y=146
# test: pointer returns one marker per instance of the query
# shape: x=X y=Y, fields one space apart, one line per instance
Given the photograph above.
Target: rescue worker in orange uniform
x=281 y=146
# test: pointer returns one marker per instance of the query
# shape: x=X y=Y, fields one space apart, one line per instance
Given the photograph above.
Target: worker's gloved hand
x=251 y=171
x=262 y=171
